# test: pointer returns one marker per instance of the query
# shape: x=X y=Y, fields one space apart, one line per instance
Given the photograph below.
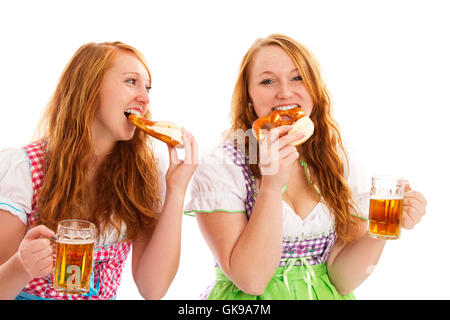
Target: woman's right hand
x=180 y=172
x=277 y=156
x=36 y=252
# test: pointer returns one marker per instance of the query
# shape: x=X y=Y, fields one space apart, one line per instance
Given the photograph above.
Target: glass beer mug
x=386 y=206
x=74 y=256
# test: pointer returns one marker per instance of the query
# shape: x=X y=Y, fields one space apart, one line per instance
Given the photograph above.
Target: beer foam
x=76 y=241
x=375 y=197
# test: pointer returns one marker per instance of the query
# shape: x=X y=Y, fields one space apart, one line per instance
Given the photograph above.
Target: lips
x=135 y=111
x=286 y=107
x=284 y=115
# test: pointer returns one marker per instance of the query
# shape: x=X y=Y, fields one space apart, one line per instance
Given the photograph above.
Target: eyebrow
x=270 y=72
x=137 y=74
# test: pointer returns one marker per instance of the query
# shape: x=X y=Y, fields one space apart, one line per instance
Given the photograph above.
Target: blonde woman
x=298 y=229
x=90 y=163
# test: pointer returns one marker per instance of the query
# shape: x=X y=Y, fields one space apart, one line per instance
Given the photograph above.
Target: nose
x=143 y=97
x=284 y=90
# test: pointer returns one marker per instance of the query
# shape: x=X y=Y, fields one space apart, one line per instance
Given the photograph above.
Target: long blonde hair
x=126 y=187
x=322 y=151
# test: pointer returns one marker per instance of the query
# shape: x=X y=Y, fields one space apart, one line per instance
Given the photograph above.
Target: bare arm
x=156 y=256
x=12 y=231
x=349 y=265
x=12 y=275
x=248 y=252
x=23 y=258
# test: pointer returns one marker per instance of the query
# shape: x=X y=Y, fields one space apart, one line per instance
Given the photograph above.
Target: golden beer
x=386 y=206
x=384 y=220
x=73 y=265
x=74 y=248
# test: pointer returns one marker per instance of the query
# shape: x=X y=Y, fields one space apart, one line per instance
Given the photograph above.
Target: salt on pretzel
x=165 y=131
x=297 y=117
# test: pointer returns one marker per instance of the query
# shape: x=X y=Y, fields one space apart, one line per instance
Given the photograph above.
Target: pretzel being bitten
x=297 y=117
x=165 y=131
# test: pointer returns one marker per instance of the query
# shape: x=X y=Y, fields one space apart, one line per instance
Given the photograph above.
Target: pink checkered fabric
x=35 y=153
x=109 y=260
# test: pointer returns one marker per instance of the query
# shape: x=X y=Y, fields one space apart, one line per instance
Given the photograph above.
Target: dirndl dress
x=109 y=258
x=302 y=271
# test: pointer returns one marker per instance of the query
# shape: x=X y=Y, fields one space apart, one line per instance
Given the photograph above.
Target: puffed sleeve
x=16 y=189
x=358 y=180
x=217 y=185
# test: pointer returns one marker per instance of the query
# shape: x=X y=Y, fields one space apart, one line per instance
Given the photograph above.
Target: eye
x=298 y=78
x=148 y=89
x=266 y=82
x=131 y=80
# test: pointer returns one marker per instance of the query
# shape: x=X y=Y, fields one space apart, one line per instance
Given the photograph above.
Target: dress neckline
x=310 y=213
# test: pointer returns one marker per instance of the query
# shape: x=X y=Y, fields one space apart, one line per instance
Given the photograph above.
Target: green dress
x=308 y=282
x=302 y=272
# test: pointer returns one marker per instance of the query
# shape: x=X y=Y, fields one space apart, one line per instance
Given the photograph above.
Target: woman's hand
x=36 y=252
x=180 y=171
x=414 y=205
x=153 y=276
x=277 y=156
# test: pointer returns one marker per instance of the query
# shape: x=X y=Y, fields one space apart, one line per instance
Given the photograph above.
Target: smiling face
x=125 y=86
x=275 y=83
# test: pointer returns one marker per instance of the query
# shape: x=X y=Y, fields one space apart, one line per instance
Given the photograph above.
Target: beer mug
x=74 y=256
x=386 y=206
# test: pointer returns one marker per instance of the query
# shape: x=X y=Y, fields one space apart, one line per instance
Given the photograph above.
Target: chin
x=126 y=136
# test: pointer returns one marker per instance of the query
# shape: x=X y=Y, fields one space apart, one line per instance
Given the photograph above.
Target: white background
x=386 y=64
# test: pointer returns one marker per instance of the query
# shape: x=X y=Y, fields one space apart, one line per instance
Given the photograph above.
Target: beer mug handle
x=53 y=238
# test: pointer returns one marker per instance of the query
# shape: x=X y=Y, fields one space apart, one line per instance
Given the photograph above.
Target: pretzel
x=165 y=131
x=298 y=118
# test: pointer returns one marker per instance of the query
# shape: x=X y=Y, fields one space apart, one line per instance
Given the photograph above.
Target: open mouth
x=284 y=108
x=131 y=111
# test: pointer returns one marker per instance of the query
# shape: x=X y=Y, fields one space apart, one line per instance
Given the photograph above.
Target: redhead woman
x=286 y=222
x=89 y=162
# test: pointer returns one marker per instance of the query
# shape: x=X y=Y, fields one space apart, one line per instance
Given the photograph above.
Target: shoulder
x=218 y=184
x=358 y=180
x=13 y=156
x=219 y=154
x=16 y=189
x=14 y=161
x=216 y=164
x=351 y=158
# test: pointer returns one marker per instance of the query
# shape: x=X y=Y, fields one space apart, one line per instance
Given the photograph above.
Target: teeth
x=286 y=107
x=133 y=111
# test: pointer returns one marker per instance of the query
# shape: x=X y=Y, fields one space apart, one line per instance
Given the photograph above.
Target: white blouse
x=219 y=185
x=16 y=188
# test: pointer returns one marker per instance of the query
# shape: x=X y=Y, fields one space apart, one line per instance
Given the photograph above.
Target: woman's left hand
x=414 y=205
x=180 y=172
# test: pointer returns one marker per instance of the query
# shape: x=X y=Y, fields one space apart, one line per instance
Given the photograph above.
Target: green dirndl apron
x=304 y=282
x=302 y=273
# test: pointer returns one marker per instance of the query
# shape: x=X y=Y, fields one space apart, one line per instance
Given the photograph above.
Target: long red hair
x=323 y=152
x=125 y=189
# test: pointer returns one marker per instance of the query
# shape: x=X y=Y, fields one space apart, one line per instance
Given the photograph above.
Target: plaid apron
x=109 y=259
